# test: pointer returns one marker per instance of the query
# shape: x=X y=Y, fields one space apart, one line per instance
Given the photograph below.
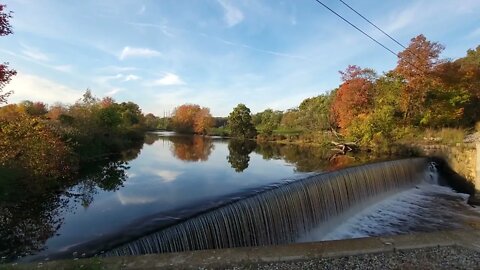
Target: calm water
x=168 y=177
x=172 y=176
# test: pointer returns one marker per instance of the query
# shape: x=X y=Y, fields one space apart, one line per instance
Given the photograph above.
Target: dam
x=283 y=214
x=374 y=199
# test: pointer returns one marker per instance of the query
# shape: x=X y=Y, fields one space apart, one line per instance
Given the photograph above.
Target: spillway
x=283 y=214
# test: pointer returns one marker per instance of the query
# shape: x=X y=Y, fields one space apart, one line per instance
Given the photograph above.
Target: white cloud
x=138 y=52
x=167 y=175
x=131 y=77
x=31 y=87
x=126 y=200
x=168 y=79
x=113 y=69
x=233 y=15
x=63 y=68
x=34 y=53
x=113 y=92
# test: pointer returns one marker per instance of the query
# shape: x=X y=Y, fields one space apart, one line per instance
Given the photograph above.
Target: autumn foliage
x=28 y=143
x=191 y=148
x=354 y=96
x=191 y=118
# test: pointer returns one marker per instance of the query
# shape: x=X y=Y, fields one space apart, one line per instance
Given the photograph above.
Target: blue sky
x=216 y=53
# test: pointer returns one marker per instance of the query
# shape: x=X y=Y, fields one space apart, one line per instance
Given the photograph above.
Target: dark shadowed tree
x=240 y=122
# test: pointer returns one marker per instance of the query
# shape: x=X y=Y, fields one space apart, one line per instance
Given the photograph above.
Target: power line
x=378 y=28
x=363 y=32
x=354 y=26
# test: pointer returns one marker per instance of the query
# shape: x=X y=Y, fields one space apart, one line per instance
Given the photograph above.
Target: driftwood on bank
x=343 y=148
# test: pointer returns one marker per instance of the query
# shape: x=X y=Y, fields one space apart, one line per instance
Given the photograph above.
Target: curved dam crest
x=283 y=214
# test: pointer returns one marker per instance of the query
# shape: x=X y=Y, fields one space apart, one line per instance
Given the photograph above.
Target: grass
x=448 y=136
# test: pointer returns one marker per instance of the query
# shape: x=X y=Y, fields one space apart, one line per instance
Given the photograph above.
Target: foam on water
x=425 y=208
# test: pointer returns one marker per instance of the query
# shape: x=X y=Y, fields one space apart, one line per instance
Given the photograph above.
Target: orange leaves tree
x=191 y=118
x=6 y=73
x=354 y=96
x=416 y=65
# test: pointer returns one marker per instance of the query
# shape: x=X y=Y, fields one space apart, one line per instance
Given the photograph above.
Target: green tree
x=240 y=122
x=314 y=113
x=267 y=121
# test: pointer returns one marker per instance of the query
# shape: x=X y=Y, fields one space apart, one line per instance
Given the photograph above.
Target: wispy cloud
x=117 y=77
x=232 y=15
x=63 y=68
x=142 y=10
x=168 y=79
x=128 y=52
x=34 y=53
x=167 y=31
x=475 y=33
x=114 y=69
x=131 y=77
x=261 y=50
x=114 y=91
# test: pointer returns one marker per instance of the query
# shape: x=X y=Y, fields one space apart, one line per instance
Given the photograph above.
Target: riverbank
x=438 y=250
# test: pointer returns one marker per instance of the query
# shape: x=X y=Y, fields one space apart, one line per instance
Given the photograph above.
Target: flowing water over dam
x=292 y=211
x=180 y=193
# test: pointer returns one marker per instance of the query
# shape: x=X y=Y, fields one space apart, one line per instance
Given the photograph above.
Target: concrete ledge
x=469 y=239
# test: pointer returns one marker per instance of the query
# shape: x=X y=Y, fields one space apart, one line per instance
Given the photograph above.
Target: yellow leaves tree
x=29 y=145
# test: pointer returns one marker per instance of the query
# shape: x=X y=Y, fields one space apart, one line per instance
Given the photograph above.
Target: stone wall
x=463 y=158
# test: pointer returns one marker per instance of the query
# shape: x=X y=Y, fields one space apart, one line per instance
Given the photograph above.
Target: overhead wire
x=367 y=35
x=354 y=26
x=374 y=25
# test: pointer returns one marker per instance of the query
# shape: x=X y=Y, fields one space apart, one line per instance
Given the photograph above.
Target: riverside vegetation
x=423 y=98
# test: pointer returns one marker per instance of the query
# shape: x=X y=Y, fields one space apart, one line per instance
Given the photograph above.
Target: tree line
x=55 y=140
x=422 y=92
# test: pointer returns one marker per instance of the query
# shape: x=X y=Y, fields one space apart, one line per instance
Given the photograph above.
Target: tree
x=354 y=96
x=34 y=108
x=6 y=73
x=416 y=64
x=151 y=121
x=191 y=118
x=314 y=113
x=239 y=153
x=267 y=121
x=203 y=121
x=28 y=144
x=240 y=122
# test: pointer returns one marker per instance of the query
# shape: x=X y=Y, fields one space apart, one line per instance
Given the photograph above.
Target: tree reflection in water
x=191 y=148
x=239 y=151
x=32 y=210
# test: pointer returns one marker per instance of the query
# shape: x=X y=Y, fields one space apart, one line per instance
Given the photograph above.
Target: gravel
x=427 y=258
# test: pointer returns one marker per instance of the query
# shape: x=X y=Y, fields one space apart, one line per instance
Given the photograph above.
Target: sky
x=215 y=53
